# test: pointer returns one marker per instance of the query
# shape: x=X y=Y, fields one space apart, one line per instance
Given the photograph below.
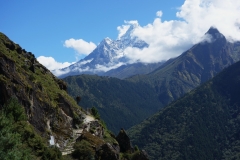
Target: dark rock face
x=111 y=151
x=125 y=147
x=142 y=155
x=124 y=141
x=215 y=33
x=107 y=152
x=101 y=150
x=62 y=85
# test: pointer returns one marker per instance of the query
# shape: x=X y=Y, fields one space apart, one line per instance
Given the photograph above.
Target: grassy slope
x=45 y=83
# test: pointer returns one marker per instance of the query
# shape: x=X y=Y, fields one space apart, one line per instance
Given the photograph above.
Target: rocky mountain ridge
x=193 y=67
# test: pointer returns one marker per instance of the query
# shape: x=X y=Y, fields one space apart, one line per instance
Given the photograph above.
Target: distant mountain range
x=165 y=84
x=193 y=67
x=109 y=59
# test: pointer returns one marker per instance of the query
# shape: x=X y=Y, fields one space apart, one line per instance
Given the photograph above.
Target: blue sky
x=43 y=27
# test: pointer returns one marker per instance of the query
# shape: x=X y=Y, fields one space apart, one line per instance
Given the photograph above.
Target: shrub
x=18 y=140
x=95 y=113
x=11 y=145
x=14 y=111
x=52 y=153
x=83 y=150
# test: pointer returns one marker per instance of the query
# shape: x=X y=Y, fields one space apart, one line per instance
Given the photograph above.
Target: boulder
x=124 y=141
x=107 y=152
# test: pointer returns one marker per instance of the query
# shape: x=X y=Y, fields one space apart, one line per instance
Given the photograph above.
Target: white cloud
x=224 y=15
x=107 y=68
x=82 y=47
x=122 y=29
x=51 y=64
x=98 y=68
x=59 y=72
x=159 y=13
x=80 y=63
x=169 y=39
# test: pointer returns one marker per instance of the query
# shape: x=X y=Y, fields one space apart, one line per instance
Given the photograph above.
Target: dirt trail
x=76 y=133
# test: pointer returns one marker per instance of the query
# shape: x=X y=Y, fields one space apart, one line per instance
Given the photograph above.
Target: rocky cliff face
x=43 y=96
x=49 y=109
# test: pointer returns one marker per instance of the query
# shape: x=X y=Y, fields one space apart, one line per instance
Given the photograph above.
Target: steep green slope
x=120 y=103
x=204 y=124
x=48 y=106
x=39 y=120
x=192 y=68
x=18 y=139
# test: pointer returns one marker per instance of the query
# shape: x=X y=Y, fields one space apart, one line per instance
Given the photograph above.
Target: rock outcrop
x=126 y=147
x=107 y=152
x=124 y=141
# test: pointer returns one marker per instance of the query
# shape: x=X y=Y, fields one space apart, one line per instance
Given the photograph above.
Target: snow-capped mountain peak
x=107 y=40
x=108 y=55
x=128 y=34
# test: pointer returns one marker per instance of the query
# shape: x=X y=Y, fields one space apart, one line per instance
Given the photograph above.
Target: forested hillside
x=204 y=124
x=120 y=103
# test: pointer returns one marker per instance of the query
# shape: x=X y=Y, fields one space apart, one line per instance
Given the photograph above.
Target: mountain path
x=77 y=133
